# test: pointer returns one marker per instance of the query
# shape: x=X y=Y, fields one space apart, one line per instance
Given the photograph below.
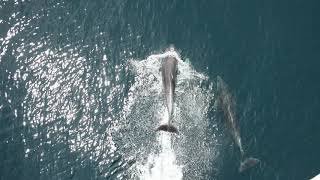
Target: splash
x=162 y=166
x=161 y=155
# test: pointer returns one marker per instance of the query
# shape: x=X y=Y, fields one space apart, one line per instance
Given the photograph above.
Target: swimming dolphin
x=227 y=104
x=169 y=69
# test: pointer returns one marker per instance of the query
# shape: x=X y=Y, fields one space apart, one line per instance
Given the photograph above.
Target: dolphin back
x=227 y=104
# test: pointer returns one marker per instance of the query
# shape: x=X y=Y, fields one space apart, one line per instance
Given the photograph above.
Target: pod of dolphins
x=169 y=69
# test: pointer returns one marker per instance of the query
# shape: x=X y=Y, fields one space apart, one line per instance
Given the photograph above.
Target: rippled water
x=81 y=94
x=65 y=90
x=88 y=112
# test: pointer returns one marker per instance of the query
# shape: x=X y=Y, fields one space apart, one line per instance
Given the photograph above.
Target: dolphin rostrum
x=227 y=104
x=169 y=69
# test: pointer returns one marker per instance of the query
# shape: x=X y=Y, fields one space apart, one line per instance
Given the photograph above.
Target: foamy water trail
x=162 y=155
x=162 y=166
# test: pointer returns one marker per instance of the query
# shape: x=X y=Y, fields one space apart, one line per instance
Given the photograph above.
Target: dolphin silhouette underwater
x=227 y=103
x=169 y=70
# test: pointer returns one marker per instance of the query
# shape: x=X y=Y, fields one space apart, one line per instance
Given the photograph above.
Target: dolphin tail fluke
x=248 y=163
x=167 y=128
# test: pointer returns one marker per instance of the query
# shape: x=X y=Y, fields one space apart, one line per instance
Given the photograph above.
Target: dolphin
x=169 y=69
x=227 y=104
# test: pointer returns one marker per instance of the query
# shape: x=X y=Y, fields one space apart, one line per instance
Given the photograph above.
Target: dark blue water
x=65 y=80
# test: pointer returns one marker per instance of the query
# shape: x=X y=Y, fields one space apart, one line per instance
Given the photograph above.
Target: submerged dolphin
x=226 y=102
x=169 y=69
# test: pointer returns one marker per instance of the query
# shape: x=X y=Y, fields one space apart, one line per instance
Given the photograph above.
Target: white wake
x=162 y=155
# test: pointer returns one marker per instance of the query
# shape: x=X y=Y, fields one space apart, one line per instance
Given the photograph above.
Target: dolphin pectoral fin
x=167 y=128
x=248 y=163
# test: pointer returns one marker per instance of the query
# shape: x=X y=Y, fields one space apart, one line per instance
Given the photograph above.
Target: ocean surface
x=81 y=92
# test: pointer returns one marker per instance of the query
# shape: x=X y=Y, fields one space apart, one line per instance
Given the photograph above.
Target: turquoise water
x=81 y=92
